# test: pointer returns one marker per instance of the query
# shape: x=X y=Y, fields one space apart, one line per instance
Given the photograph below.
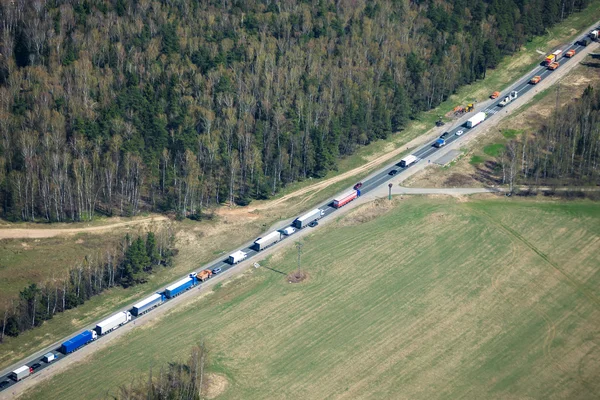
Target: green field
x=418 y=298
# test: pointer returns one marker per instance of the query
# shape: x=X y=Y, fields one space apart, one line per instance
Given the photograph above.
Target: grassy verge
x=418 y=298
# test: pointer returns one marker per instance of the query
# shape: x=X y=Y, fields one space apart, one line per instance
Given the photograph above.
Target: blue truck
x=148 y=304
x=181 y=286
x=78 y=341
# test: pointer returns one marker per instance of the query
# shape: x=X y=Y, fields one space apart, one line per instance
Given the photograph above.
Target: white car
x=460 y=132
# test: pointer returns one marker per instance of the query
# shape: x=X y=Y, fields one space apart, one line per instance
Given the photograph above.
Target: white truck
x=237 y=257
x=113 y=322
x=21 y=373
x=408 y=161
x=304 y=220
x=512 y=96
x=287 y=231
x=49 y=357
x=266 y=241
x=475 y=120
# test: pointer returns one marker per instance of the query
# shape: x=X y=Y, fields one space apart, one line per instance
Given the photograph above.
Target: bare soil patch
x=215 y=385
x=297 y=277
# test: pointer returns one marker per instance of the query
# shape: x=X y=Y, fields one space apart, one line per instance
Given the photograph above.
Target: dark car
x=4 y=384
x=358 y=186
x=393 y=172
x=216 y=270
x=36 y=366
x=313 y=224
x=445 y=135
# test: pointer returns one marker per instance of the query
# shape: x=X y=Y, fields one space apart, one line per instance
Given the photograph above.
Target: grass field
x=23 y=261
x=421 y=298
x=202 y=242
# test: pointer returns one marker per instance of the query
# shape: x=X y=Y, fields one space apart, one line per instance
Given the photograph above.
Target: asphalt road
x=374 y=181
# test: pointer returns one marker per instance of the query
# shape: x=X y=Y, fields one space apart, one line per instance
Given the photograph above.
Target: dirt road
x=39 y=233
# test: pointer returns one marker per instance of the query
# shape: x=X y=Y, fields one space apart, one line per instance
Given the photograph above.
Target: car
x=445 y=135
x=393 y=172
x=459 y=132
x=36 y=366
x=358 y=186
x=313 y=224
x=4 y=384
x=216 y=270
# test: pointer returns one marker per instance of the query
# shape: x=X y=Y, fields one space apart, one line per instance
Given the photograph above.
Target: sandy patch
x=215 y=385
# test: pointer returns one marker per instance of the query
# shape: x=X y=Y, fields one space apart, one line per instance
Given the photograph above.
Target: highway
x=375 y=180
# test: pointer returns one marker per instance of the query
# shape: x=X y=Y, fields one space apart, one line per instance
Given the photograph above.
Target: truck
x=584 y=41
x=148 y=304
x=570 y=53
x=345 y=198
x=266 y=241
x=112 y=323
x=237 y=257
x=181 y=286
x=512 y=96
x=552 y=57
x=204 y=275
x=21 y=373
x=495 y=95
x=78 y=341
x=49 y=357
x=553 y=66
x=287 y=231
x=475 y=120
x=408 y=161
x=439 y=143
x=304 y=220
x=594 y=34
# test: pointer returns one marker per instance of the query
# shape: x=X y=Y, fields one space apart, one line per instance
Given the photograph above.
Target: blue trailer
x=181 y=286
x=76 y=342
x=147 y=304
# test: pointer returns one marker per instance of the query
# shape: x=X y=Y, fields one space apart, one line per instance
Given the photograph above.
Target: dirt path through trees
x=39 y=233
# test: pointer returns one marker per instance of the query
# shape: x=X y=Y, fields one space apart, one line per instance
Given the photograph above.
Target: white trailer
x=408 y=161
x=475 y=120
x=113 y=322
x=307 y=218
x=268 y=240
x=147 y=304
x=237 y=257
x=21 y=373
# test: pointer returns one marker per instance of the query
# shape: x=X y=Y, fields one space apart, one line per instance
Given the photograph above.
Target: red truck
x=345 y=198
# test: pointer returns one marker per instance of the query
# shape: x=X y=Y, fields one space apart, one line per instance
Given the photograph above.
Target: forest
x=118 y=106
x=564 y=151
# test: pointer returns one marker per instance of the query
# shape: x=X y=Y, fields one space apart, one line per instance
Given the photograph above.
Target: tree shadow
x=274 y=270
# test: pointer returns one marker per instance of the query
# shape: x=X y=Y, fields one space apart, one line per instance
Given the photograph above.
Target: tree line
x=564 y=151
x=176 y=381
x=116 y=106
x=128 y=265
